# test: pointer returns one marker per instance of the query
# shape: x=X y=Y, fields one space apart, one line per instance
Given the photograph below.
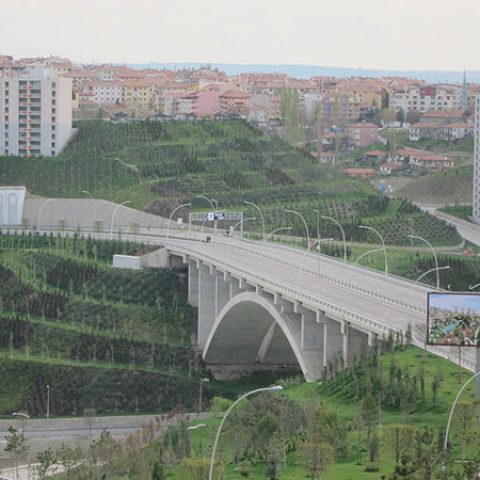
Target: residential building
x=234 y=101
x=35 y=114
x=362 y=134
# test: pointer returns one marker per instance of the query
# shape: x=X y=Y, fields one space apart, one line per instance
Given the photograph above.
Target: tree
x=158 y=472
x=463 y=419
x=318 y=457
x=197 y=468
x=274 y=458
x=102 y=449
x=17 y=444
x=46 y=460
x=369 y=414
x=68 y=457
x=399 y=440
x=292 y=116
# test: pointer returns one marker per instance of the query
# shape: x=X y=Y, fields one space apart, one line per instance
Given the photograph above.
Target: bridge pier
x=243 y=327
x=206 y=304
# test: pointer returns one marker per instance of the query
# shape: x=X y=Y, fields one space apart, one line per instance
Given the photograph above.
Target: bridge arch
x=249 y=330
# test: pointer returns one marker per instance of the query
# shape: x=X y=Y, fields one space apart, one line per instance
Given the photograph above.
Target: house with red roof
x=362 y=134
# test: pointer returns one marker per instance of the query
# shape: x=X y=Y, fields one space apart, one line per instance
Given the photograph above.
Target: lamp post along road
x=113 y=216
x=210 y=202
x=48 y=402
x=318 y=227
x=465 y=385
x=446 y=267
x=44 y=204
x=261 y=216
x=280 y=229
x=434 y=255
x=304 y=223
x=217 y=436
x=343 y=235
x=173 y=212
x=241 y=222
x=365 y=227
x=86 y=192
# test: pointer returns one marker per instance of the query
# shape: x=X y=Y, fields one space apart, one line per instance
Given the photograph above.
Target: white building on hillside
x=35 y=114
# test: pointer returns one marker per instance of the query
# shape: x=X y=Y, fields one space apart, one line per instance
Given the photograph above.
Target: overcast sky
x=391 y=34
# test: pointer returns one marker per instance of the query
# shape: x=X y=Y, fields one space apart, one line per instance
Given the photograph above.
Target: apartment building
x=35 y=114
x=427 y=98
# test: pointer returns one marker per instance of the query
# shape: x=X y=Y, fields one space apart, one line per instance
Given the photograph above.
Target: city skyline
x=371 y=34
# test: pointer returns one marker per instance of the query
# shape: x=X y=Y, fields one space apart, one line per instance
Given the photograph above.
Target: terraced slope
x=157 y=166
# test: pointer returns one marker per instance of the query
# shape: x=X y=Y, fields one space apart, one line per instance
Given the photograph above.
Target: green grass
x=460 y=211
x=341 y=401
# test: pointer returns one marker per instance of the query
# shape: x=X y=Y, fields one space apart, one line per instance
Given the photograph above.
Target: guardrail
x=295 y=294
x=385 y=299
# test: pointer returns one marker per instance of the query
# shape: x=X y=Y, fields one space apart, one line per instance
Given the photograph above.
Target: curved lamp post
x=204 y=197
x=473 y=377
x=44 y=204
x=318 y=225
x=241 y=222
x=366 y=227
x=473 y=287
x=277 y=230
x=304 y=223
x=446 y=267
x=113 y=216
x=261 y=216
x=434 y=255
x=86 y=192
x=343 y=235
x=173 y=212
x=276 y=388
x=367 y=253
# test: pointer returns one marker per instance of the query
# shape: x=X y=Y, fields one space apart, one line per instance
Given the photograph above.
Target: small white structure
x=11 y=205
x=128 y=262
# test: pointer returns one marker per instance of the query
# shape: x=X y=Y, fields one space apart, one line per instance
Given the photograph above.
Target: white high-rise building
x=35 y=114
x=476 y=164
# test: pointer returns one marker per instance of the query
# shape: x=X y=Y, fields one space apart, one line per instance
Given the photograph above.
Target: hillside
x=114 y=340
x=158 y=166
x=442 y=188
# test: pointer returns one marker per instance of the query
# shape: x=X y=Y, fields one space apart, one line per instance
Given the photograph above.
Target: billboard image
x=453 y=319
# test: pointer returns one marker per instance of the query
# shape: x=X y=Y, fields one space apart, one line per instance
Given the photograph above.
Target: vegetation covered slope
x=114 y=340
x=160 y=165
x=448 y=187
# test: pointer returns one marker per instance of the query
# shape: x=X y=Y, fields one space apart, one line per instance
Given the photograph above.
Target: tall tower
x=465 y=93
x=476 y=164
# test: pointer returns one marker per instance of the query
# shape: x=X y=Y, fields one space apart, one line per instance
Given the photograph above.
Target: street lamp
x=261 y=216
x=365 y=227
x=276 y=388
x=446 y=267
x=304 y=223
x=48 y=402
x=44 y=204
x=20 y=414
x=434 y=255
x=241 y=222
x=367 y=253
x=113 y=216
x=200 y=394
x=318 y=226
x=86 y=192
x=343 y=235
x=173 y=212
x=319 y=241
x=473 y=287
x=277 y=230
x=204 y=197
x=473 y=377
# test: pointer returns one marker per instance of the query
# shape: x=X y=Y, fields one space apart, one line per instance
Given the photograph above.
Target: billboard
x=453 y=319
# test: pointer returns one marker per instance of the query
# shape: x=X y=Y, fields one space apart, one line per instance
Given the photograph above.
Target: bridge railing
x=385 y=299
x=295 y=294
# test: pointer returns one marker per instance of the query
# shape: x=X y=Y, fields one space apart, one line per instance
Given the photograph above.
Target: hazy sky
x=452 y=301
x=393 y=34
